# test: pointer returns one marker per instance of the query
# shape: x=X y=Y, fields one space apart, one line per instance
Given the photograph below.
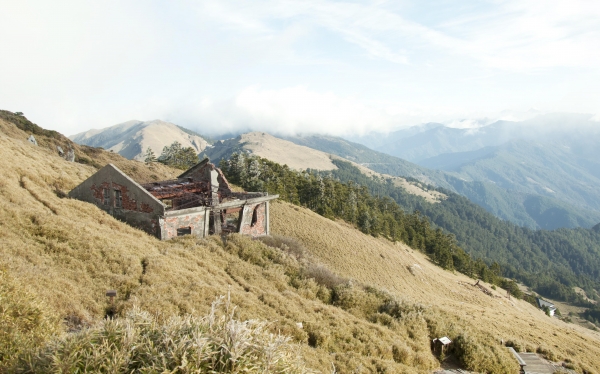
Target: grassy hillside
x=366 y=304
x=270 y=147
x=551 y=262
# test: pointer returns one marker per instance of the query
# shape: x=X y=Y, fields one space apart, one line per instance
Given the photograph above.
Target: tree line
x=549 y=262
x=354 y=203
x=455 y=233
x=174 y=155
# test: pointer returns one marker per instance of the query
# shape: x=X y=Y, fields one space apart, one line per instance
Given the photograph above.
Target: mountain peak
x=131 y=139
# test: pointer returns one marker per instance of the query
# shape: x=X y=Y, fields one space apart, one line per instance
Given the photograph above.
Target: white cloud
x=322 y=65
x=507 y=34
x=291 y=110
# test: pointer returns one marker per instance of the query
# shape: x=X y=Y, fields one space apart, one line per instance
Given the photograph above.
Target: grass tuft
x=140 y=343
x=25 y=323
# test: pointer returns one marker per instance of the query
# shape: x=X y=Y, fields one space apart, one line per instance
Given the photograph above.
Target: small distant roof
x=444 y=340
x=544 y=303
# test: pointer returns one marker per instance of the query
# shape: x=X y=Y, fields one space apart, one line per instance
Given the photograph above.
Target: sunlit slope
x=301 y=157
x=131 y=139
x=68 y=253
x=272 y=148
x=411 y=276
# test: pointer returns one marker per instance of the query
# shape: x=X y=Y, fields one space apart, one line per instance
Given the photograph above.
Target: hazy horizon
x=320 y=66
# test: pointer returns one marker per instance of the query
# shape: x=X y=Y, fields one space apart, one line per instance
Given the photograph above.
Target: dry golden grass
x=69 y=253
x=138 y=343
x=410 y=276
x=285 y=152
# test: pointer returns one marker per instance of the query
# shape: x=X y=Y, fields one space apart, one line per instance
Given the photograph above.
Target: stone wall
x=194 y=218
x=254 y=220
x=138 y=207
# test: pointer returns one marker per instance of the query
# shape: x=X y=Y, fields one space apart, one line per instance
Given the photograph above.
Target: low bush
x=475 y=356
x=139 y=343
x=547 y=353
x=286 y=244
x=323 y=276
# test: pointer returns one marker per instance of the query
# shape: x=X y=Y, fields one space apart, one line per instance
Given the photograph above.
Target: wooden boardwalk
x=535 y=365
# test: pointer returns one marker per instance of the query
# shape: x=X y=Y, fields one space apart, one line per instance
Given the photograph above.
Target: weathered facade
x=199 y=202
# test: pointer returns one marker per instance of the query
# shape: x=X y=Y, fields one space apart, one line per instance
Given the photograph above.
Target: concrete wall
x=139 y=208
x=201 y=173
x=194 y=218
x=254 y=219
x=208 y=172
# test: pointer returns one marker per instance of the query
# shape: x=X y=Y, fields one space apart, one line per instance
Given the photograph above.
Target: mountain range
x=343 y=299
x=548 y=161
x=523 y=207
x=535 y=173
x=131 y=139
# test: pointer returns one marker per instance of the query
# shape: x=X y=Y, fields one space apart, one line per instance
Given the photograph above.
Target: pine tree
x=149 y=156
x=177 y=156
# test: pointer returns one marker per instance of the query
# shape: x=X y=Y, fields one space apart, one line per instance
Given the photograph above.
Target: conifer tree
x=177 y=156
x=149 y=156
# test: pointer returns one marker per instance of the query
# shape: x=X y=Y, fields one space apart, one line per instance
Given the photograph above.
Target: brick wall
x=259 y=228
x=195 y=221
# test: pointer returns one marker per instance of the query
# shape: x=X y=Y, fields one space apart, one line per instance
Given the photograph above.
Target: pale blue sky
x=337 y=67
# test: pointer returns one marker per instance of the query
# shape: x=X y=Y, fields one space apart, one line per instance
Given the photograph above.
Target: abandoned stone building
x=199 y=202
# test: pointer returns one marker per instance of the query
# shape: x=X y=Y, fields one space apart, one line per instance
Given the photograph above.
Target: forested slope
x=523 y=208
x=551 y=262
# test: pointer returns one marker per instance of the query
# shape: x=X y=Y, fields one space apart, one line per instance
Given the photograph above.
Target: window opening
x=254 y=216
x=106 y=193
x=118 y=199
x=184 y=231
x=231 y=219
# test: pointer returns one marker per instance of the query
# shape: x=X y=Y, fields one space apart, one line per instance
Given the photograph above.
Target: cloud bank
x=296 y=65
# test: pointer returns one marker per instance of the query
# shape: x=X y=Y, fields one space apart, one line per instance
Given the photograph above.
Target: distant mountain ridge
x=425 y=141
x=550 y=161
x=131 y=139
x=525 y=208
x=537 y=198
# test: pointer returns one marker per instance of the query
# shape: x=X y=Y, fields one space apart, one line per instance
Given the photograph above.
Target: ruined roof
x=199 y=165
x=173 y=188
